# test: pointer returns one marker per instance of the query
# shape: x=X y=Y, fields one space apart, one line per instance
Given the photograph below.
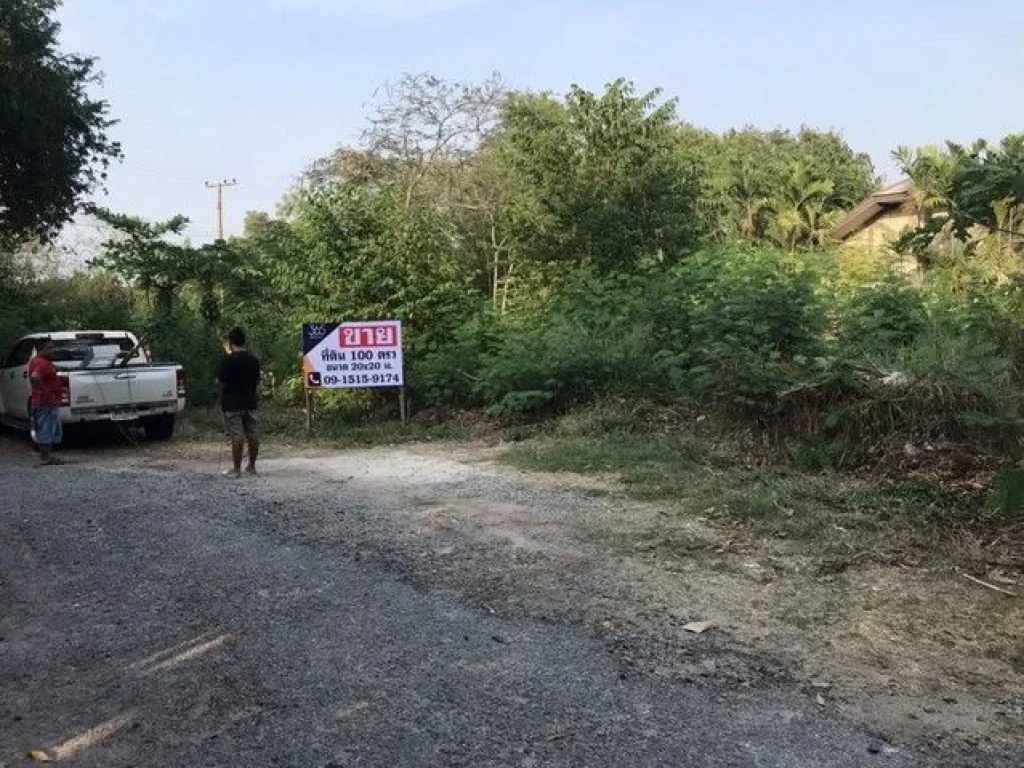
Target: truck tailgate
x=123 y=388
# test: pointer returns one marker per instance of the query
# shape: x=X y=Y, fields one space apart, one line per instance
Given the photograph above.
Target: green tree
x=54 y=143
x=83 y=300
x=931 y=168
x=988 y=186
x=754 y=178
x=496 y=204
x=359 y=254
x=426 y=137
x=157 y=258
x=826 y=155
x=966 y=193
x=603 y=180
x=800 y=214
x=15 y=299
x=745 y=170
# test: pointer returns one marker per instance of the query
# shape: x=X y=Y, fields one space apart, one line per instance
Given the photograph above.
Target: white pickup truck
x=107 y=376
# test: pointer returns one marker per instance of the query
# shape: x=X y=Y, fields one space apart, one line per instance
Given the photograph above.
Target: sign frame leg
x=310 y=401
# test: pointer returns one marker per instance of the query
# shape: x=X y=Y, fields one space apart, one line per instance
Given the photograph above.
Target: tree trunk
x=496 y=257
x=508 y=284
x=165 y=296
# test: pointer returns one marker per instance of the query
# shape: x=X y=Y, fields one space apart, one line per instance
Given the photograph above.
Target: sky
x=255 y=90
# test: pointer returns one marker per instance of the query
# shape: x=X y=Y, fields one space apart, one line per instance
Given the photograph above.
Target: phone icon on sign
x=313 y=379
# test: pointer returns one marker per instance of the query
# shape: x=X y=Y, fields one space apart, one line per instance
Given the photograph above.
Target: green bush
x=183 y=337
x=446 y=374
x=1008 y=495
x=750 y=333
x=592 y=341
x=518 y=403
x=970 y=344
x=746 y=325
x=350 y=407
x=572 y=364
x=78 y=302
x=881 y=316
x=958 y=372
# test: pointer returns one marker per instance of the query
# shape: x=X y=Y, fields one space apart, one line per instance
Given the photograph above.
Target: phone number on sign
x=361 y=378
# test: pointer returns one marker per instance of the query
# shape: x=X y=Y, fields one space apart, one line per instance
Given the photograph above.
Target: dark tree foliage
x=54 y=143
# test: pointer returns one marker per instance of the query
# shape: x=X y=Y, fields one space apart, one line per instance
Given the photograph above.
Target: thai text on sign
x=353 y=355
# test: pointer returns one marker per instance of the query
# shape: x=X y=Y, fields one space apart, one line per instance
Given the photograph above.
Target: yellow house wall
x=867 y=251
x=883 y=231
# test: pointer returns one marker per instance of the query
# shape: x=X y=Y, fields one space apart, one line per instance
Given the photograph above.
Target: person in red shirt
x=45 y=402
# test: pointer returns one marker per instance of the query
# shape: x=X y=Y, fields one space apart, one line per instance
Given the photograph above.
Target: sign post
x=361 y=355
x=309 y=412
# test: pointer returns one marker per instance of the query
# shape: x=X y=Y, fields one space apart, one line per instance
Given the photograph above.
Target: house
x=881 y=219
x=868 y=232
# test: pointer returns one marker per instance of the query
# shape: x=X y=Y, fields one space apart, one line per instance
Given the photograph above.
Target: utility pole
x=219 y=186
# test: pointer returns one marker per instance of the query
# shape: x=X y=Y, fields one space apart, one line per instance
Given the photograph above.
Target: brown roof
x=886 y=199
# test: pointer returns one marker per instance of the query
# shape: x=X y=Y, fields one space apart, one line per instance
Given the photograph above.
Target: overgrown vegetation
x=833 y=522
x=546 y=252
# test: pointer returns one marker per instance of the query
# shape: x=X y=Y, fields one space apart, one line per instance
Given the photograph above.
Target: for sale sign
x=352 y=355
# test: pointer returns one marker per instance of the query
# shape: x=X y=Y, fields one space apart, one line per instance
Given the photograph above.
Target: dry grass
x=842 y=520
x=857 y=576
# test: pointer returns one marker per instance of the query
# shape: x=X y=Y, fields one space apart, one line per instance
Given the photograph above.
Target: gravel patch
x=374 y=608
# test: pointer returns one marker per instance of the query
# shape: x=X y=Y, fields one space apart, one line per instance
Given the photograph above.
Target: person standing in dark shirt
x=238 y=377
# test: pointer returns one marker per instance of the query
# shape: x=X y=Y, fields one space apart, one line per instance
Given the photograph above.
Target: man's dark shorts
x=242 y=425
x=46 y=426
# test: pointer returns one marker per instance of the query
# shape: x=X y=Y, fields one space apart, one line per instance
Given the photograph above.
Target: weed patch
x=836 y=518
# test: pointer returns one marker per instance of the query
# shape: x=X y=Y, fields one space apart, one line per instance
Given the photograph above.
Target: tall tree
x=988 y=186
x=421 y=134
x=749 y=180
x=426 y=138
x=352 y=254
x=966 y=193
x=801 y=217
x=157 y=258
x=54 y=143
x=486 y=216
x=602 y=177
x=932 y=169
x=826 y=155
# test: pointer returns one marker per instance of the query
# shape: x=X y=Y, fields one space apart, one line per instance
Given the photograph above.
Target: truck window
x=79 y=350
x=21 y=353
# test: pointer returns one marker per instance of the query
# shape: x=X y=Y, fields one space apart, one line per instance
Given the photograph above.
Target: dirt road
x=367 y=608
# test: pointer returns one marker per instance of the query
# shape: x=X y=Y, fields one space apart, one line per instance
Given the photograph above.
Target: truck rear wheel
x=159 y=427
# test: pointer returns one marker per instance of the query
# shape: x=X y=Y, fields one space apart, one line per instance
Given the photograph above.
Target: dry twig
x=993 y=587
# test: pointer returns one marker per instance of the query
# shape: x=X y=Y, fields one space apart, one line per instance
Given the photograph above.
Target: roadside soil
x=922 y=656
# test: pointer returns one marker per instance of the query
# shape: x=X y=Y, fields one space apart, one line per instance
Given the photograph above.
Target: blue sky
x=255 y=89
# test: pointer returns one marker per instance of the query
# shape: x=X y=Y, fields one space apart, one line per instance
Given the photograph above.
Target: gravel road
x=154 y=614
